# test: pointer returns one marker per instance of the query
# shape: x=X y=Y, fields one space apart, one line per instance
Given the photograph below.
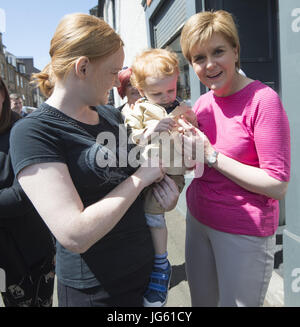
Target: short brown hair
x=200 y=27
x=153 y=62
x=15 y=96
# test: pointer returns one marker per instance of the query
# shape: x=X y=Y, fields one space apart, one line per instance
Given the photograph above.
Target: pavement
x=179 y=295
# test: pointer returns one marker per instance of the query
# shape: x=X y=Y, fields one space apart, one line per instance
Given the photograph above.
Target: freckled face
x=103 y=77
x=214 y=63
x=160 y=90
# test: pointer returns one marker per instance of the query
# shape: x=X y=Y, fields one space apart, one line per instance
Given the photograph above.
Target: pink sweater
x=251 y=127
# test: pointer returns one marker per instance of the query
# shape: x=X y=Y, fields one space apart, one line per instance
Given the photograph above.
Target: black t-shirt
x=25 y=240
x=47 y=135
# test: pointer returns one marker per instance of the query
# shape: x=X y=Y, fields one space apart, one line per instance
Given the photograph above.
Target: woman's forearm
x=251 y=178
x=77 y=227
x=98 y=219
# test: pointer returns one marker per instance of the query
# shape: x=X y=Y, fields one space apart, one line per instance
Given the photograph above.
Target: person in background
x=127 y=90
x=93 y=208
x=26 y=246
x=16 y=103
x=154 y=74
x=233 y=208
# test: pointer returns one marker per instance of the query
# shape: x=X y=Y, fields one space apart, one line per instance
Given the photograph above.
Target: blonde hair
x=200 y=27
x=154 y=63
x=76 y=35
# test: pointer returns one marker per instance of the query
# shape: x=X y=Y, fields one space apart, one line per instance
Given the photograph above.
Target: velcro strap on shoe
x=157 y=287
x=155 y=278
x=159 y=275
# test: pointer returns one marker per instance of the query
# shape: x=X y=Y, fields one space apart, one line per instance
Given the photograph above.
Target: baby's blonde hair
x=76 y=35
x=153 y=63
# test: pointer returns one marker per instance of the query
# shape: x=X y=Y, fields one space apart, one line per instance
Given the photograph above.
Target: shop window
x=183 y=84
x=11 y=76
x=2 y=70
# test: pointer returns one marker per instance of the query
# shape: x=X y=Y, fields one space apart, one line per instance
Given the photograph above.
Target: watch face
x=213 y=158
x=211 y=161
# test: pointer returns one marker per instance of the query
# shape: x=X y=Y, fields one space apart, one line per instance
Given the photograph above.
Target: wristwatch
x=212 y=159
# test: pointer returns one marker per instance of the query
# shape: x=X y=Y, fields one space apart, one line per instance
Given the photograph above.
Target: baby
x=153 y=125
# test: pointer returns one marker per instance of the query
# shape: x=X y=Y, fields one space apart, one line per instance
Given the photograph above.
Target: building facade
x=16 y=73
x=270 y=52
x=129 y=21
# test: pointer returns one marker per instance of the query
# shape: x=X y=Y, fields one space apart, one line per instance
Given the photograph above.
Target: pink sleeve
x=272 y=135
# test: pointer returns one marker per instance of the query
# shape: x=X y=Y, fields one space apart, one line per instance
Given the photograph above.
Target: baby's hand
x=185 y=111
x=164 y=125
x=191 y=117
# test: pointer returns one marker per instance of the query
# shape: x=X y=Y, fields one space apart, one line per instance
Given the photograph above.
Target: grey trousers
x=227 y=270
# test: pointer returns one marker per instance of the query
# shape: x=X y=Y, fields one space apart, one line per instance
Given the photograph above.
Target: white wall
x=289 y=28
x=131 y=26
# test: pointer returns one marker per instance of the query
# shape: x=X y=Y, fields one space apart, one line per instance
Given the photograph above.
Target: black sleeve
x=13 y=202
x=34 y=141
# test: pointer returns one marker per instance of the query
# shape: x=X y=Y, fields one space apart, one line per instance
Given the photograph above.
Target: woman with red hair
x=126 y=89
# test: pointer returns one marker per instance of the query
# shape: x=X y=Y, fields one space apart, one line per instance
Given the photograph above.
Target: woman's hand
x=196 y=145
x=190 y=116
x=166 y=193
x=150 y=171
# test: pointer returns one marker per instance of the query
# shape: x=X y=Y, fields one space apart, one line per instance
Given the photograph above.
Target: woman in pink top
x=233 y=207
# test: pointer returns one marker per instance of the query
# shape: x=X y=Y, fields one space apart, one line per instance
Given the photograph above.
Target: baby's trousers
x=227 y=270
x=151 y=205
